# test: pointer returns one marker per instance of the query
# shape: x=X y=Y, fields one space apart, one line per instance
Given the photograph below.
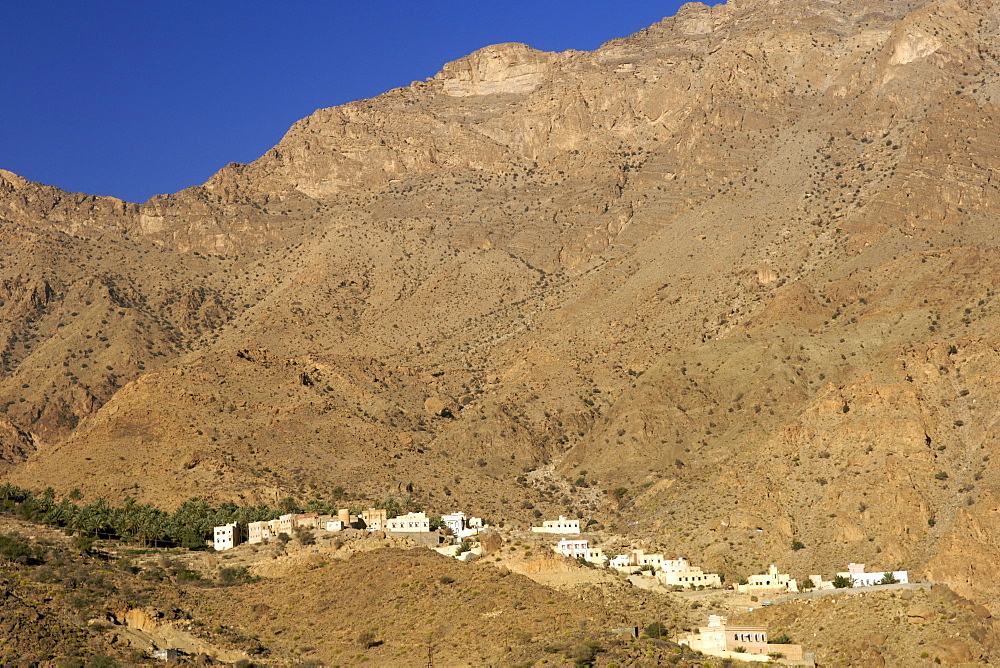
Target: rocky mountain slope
x=742 y=264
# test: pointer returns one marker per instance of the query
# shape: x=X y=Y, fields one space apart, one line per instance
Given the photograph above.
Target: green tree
x=842 y=582
x=656 y=630
x=888 y=579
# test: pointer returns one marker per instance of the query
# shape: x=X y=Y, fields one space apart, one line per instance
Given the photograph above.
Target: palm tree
x=98 y=518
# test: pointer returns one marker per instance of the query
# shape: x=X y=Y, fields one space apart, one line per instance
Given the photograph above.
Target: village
x=463 y=536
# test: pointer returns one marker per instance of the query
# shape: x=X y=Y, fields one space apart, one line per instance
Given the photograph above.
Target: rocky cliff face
x=742 y=264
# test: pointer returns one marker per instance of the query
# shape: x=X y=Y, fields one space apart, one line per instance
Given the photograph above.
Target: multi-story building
x=258 y=532
x=573 y=548
x=225 y=536
x=374 y=518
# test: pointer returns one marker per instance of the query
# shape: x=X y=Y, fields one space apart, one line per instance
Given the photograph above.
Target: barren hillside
x=742 y=264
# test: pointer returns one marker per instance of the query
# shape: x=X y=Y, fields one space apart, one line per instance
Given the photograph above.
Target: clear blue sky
x=134 y=97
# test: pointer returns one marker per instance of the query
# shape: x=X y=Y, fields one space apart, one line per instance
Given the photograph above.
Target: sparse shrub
x=941 y=475
x=368 y=640
x=234 y=576
x=584 y=654
x=446 y=579
x=798 y=545
x=304 y=535
x=16 y=549
x=83 y=544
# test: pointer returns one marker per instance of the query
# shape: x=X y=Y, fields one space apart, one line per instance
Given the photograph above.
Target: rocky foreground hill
x=741 y=267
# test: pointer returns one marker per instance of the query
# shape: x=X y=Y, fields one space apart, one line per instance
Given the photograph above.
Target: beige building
x=344 y=516
x=771 y=582
x=719 y=637
x=410 y=522
x=681 y=573
x=747 y=643
x=258 y=532
x=561 y=525
x=375 y=519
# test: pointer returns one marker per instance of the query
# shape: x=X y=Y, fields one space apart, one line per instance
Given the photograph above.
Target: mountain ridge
x=740 y=264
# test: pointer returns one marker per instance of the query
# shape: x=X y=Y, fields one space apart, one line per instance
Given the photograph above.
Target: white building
x=576 y=548
x=636 y=558
x=335 y=525
x=456 y=522
x=225 y=536
x=561 y=525
x=856 y=573
x=573 y=548
x=410 y=522
x=622 y=562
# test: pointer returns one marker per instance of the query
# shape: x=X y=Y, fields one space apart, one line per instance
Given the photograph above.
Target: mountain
x=738 y=270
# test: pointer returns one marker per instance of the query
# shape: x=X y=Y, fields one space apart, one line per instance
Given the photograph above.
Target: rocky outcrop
x=512 y=69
